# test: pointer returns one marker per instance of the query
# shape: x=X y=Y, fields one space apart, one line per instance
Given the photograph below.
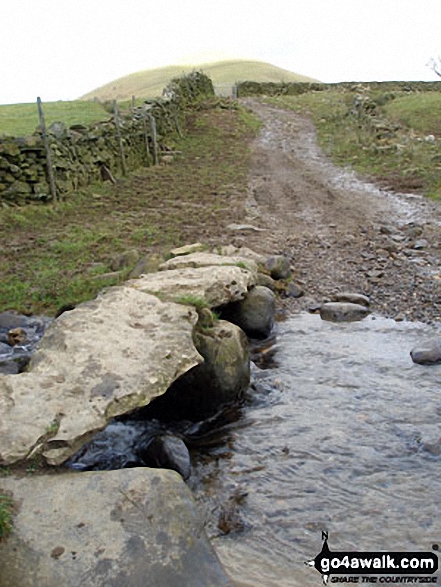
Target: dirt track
x=342 y=233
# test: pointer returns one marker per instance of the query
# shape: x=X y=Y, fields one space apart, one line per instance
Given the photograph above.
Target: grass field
x=422 y=112
x=389 y=143
x=151 y=82
x=63 y=254
x=22 y=119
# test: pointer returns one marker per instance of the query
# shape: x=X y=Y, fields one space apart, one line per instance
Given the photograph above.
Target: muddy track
x=341 y=232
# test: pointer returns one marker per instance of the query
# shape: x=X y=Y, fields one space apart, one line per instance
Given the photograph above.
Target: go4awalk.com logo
x=389 y=567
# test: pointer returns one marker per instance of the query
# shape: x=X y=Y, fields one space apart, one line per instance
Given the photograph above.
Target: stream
x=342 y=435
x=340 y=432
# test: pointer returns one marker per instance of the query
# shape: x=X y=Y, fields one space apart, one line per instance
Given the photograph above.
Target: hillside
x=151 y=82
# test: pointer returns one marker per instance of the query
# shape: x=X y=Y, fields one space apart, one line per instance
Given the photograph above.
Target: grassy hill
x=151 y=82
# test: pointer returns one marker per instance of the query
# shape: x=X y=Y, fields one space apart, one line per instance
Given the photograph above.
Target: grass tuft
x=6 y=508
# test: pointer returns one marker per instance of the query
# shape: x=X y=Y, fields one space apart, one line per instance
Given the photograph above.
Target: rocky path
x=342 y=233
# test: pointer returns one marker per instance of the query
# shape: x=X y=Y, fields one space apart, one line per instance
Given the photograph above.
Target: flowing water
x=342 y=435
x=339 y=432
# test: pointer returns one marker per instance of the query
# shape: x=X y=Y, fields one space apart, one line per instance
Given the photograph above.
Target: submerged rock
x=166 y=451
x=343 y=312
x=130 y=527
x=428 y=353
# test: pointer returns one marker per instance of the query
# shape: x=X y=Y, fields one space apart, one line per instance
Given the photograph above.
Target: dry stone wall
x=77 y=152
x=249 y=88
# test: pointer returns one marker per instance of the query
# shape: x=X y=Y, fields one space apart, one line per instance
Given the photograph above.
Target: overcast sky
x=61 y=49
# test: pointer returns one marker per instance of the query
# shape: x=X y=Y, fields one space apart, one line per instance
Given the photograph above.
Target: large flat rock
x=131 y=528
x=218 y=285
x=201 y=259
x=105 y=358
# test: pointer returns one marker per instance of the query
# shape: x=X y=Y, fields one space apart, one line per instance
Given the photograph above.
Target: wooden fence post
x=50 y=171
x=146 y=136
x=118 y=132
x=154 y=139
x=178 y=127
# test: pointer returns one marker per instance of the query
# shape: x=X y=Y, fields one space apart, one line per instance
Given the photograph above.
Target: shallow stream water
x=340 y=432
x=342 y=435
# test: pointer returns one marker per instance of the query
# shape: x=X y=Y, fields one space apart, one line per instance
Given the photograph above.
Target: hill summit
x=150 y=82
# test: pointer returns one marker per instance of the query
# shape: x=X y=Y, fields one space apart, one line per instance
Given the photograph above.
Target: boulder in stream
x=166 y=451
x=343 y=312
x=255 y=314
x=427 y=353
x=220 y=379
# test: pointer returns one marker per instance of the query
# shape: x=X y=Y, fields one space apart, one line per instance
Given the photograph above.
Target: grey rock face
x=428 y=353
x=131 y=528
x=255 y=314
x=343 y=312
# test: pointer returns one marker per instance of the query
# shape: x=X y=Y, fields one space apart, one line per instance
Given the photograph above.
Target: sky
x=62 y=49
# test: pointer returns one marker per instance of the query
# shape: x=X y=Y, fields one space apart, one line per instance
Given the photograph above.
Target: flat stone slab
x=126 y=528
x=218 y=285
x=352 y=298
x=188 y=249
x=208 y=260
x=245 y=252
x=107 y=357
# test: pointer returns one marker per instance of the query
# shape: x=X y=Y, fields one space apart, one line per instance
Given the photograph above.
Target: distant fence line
x=57 y=160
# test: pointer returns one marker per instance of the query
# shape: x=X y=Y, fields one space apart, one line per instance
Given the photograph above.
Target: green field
x=421 y=112
x=151 y=82
x=22 y=119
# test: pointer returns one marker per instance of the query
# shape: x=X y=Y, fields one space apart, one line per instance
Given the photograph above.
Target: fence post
x=178 y=127
x=154 y=139
x=146 y=136
x=132 y=105
x=118 y=132
x=50 y=171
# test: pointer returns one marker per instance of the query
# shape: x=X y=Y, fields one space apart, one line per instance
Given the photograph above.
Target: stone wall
x=245 y=89
x=78 y=151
